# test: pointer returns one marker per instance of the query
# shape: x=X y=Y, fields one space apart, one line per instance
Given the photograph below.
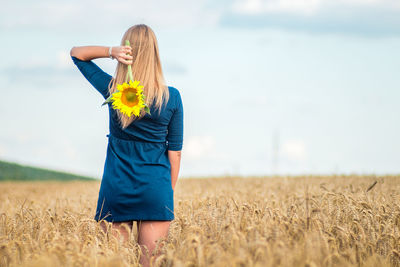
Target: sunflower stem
x=129 y=73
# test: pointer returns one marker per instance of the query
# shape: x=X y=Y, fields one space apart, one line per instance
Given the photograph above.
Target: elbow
x=178 y=156
x=72 y=52
x=77 y=52
x=175 y=154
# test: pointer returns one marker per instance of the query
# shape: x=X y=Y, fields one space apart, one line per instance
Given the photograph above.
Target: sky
x=286 y=87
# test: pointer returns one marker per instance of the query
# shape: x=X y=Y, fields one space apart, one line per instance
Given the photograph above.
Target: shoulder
x=173 y=91
x=175 y=96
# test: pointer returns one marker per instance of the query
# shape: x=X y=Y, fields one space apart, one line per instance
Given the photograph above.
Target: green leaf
x=108 y=100
x=146 y=108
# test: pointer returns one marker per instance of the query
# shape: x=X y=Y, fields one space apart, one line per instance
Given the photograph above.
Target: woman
x=143 y=153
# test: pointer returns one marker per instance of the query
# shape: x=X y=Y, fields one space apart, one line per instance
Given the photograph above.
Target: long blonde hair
x=146 y=68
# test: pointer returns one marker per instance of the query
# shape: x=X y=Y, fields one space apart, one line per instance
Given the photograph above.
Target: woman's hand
x=123 y=54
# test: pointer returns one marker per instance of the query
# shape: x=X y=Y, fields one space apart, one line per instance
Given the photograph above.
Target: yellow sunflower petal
x=126 y=86
x=135 y=83
x=119 y=87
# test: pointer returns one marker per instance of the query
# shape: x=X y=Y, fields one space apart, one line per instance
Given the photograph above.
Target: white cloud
x=305 y=7
x=367 y=18
x=3 y=151
x=262 y=6
x=31 y=62
x=64 y=60
x=104 y=15
x=23 y=137
x=294 y=149
x=199 y=146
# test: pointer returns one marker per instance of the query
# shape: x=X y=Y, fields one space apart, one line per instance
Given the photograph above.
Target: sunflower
x=129 y=98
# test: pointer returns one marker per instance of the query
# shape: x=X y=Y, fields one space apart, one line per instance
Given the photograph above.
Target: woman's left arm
x=175 y=140
x=85 y=53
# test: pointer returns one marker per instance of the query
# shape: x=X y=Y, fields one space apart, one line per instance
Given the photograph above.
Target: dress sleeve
x=175 y=127
x=94 y=74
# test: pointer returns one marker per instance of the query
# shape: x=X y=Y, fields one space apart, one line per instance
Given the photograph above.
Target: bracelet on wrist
x=109 y=53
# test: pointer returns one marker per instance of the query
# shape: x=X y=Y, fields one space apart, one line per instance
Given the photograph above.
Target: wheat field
x=337 y=220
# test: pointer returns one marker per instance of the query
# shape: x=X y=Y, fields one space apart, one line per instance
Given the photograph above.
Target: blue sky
x=269 y=86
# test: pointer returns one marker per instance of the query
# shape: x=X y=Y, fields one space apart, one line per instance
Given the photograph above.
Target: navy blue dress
x=136 y=182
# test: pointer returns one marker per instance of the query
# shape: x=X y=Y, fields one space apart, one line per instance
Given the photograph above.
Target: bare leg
x=148 y=234
x=119 y=229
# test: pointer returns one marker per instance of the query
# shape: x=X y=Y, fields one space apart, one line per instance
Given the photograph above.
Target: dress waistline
x=135 y=140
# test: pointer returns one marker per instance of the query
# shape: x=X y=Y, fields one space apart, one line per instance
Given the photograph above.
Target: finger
x=126 y=56
x=127 y=51
x=127 y=62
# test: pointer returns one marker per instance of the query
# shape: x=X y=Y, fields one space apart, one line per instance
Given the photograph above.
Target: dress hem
x=132 y=218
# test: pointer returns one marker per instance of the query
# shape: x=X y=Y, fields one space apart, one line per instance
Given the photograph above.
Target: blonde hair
x=146 y=68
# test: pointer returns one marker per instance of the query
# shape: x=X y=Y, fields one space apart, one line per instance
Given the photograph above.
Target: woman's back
x=163 y=126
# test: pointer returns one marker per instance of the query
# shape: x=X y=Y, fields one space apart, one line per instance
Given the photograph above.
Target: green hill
x=15 y=172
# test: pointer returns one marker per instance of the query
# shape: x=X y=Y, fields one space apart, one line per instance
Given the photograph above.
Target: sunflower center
x=129 y=97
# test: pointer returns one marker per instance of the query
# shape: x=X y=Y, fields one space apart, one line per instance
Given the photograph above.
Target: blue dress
x=136 y=182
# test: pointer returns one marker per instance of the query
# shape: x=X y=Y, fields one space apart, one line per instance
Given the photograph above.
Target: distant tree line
x=14 y=172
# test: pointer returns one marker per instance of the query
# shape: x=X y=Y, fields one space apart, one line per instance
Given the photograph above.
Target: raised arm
x=83 y=55
x=121 y=53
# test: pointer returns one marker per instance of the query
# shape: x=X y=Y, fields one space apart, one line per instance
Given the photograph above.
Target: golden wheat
x=232 y=221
